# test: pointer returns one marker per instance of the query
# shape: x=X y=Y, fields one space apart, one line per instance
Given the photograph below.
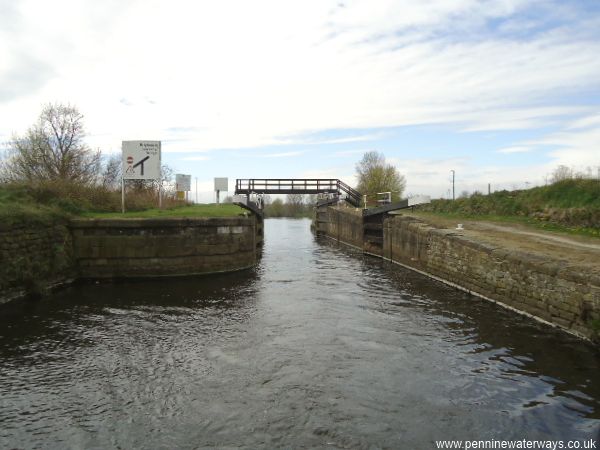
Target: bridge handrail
x=353 y=193
x=253 y=184
x=249 y=185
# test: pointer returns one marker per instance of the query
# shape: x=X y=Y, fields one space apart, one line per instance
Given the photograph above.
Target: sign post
x=221 y=184
x=141 y=161
x=183 y=183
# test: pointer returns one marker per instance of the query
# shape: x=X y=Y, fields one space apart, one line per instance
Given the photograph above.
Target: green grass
x=20 y=203
x=523 y=220
x=208 y=210
x=17 y=206
x=572 y=206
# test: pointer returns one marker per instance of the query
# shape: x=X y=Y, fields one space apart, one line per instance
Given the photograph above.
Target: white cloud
x=195 y=158
x=518 y=118
x=280 y=155
x=577 y=148
x=585 y=122
x=203 y=65
x=346 y=140
x=350 y=152
x=344 y=173
x=516 y=149
x=216 y=75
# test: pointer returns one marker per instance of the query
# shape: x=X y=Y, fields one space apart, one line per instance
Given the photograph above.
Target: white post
x=196 y=190
x=122 y=195
x=160 y=182
x=160 y=195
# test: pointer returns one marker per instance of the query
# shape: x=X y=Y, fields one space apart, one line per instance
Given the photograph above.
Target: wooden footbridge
x=298 y=186
x=245 y=188
x=338 y=190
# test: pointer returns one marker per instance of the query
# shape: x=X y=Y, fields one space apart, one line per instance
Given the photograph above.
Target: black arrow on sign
x=141 y=163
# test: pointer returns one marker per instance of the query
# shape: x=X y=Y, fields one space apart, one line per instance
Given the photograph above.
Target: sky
x=501 y=92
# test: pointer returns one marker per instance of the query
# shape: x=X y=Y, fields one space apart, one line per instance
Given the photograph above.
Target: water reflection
x=317 y=347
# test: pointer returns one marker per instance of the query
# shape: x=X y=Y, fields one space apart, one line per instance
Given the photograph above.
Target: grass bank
x=49 y=202
x=208 y=210
x=456 y=218
x=570 y=206
x=17 y=205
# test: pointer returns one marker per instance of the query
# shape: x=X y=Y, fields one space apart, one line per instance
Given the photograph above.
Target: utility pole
x=452 y=184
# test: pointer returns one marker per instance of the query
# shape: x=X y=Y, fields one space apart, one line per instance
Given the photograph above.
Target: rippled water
x=318 y=347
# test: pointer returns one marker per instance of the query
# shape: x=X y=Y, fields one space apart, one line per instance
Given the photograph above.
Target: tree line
x=53 y=153
x=52 y=159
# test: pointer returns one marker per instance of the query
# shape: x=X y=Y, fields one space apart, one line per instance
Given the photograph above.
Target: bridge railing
x=283 y=185
x=297 y=186
x=354 y=197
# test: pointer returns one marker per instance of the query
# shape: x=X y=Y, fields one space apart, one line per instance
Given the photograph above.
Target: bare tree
x=53 y=149
x=561 y=173
x=112 y=172
x=165 y=182
x=295 y=199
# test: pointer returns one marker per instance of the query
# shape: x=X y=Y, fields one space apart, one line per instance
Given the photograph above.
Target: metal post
x=489 y=188
x=452 y=183
x=160 y=195
x=160 y=178
x=196 y=190
x=122 y=195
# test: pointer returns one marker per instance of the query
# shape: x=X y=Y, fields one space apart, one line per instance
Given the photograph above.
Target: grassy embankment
x=45 y=204
x=202 y=210
x=571 y=206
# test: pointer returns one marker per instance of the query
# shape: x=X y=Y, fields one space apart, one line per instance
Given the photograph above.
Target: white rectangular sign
x=419 y=200
x=221 y=184
x=183 y=182
x=141 y=160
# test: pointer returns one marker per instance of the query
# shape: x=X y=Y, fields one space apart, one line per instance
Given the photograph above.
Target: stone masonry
x=550 y=290
x=35 y=256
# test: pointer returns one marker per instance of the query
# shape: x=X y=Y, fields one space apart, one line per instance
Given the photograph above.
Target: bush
x=572 y=202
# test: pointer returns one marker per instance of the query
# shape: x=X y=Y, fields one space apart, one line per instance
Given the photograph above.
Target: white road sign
x=221 y=184
x=141 y=160
x=183 y=182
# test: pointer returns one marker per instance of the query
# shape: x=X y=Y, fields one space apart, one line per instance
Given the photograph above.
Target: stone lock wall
x=341 y=224
x=163 y=247
x=33 y=256
x=549 y=290
x=36 y=256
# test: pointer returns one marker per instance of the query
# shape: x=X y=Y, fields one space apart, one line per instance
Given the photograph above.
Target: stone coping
x=156 y=222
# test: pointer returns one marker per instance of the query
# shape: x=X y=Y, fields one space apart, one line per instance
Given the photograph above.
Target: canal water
x=319 y=346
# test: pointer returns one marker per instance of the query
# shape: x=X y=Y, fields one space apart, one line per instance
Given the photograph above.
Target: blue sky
x=500 y=91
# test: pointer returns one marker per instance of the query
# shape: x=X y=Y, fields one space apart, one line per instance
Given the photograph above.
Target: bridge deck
x=297 y=186
x=285 y=186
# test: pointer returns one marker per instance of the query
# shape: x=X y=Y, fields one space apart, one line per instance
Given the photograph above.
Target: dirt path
x=540 y=236
x=574 y=250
